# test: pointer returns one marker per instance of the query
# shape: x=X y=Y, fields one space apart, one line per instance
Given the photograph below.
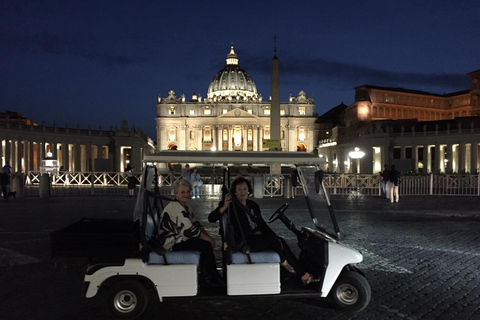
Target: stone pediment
x=237 y=113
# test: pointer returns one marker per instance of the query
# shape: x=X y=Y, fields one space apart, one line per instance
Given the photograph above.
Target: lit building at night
x=417 y=131
x=233 y=117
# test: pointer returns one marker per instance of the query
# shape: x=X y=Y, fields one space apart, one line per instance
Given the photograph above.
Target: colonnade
x=248 y=140
x=25 y=156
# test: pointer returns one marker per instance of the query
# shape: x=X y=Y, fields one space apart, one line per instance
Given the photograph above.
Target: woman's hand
x=228 y=200
x=205 y=236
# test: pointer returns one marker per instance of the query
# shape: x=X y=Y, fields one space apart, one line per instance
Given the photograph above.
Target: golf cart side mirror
x=318 y=180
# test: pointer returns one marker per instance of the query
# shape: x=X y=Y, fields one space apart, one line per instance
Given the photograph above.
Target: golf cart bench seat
x=175 y=257
x=256 y=257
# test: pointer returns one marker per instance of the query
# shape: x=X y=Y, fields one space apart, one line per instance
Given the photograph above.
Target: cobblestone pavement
x=421 y=258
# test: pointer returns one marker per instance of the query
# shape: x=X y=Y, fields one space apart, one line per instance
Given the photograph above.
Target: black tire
x=351 y=292
x=127 y=299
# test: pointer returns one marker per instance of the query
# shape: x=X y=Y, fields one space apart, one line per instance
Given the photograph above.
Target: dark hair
x=238 y=181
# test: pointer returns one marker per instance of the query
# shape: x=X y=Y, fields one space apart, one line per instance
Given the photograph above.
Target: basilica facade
x=233 y=117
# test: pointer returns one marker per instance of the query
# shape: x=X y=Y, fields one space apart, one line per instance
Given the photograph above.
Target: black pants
x=4 y=191
x=208 y=266
x=272 y=242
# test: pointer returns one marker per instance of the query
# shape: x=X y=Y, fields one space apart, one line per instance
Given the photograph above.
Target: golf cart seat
x=174 y=257
x=258 y=275
x=238 y=257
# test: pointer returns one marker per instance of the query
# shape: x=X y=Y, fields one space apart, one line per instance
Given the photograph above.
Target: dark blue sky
x=101 y=62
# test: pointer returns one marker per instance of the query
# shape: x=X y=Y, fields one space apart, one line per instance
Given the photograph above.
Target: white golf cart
x=129 y=270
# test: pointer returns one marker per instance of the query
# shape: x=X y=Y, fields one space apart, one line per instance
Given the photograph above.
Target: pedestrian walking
x=394 y=181
x=385 y=174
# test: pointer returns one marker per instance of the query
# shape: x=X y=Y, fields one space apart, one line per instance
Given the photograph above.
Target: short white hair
x=181 y=182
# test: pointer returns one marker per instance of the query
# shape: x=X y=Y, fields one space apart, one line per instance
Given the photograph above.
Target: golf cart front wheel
x=351 y=292
x=127 y=299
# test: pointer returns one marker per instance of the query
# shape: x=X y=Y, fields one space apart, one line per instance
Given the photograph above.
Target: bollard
x=287 y=188
x=44 y=186
x=18 y=184
x=258 y=186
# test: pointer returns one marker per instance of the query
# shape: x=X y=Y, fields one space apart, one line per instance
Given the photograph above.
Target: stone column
x=76 y=156
x=260 y=138
x=27 y=156
x=161 y=138
x=39 y=154
x=117 y=159
x=53 y=150
x=88 y=157
x=309 y=133
x=230 y=138
x=1 y=153
x=255 y=137
x=291 y=138
x=425 y=158
x=474 y=157
x=438 y=159
x=65 y=153
x=183 y=137
x=21 y=154
x=199 y=138
x=219 y=138
x=8 y=151
x=33 y=156
x=415 y=156
x=449 y=158
x=16 y=165
x=244 y=139
x=459 y=158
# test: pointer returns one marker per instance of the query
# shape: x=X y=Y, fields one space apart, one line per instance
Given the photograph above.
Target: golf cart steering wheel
x=277 y=214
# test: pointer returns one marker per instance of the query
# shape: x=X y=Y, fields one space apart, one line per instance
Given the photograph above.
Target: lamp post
x=357 y=155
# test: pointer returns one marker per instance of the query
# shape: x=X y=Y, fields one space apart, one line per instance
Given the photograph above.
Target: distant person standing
x=4 y=180
x=131 y=180
x=186 y=172
x=196 y=182
x=394 y=180
x=385 y=180
x=8 y=169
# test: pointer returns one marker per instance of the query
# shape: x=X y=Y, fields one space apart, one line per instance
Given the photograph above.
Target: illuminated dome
x=232 y=83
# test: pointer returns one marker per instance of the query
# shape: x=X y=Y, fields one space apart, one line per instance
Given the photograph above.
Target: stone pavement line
x=11 y=258
x=373 y=261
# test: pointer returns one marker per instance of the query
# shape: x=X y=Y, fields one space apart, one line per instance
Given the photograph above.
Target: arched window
x=301 y=134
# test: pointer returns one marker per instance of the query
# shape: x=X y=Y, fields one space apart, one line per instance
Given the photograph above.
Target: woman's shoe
x=311 y=279
x=288 y=267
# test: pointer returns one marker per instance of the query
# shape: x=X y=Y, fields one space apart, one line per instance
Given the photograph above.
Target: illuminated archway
x=301 y=147
x=172 y=146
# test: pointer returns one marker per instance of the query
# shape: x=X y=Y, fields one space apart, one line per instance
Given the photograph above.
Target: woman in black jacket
x=251 y=230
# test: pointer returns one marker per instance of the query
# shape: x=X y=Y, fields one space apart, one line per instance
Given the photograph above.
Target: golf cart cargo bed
x=97 y=238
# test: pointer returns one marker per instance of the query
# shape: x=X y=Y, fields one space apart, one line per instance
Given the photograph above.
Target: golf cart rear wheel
x=127 y=299
x=351 y=292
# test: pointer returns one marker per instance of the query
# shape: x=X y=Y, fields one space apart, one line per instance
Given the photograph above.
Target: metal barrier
x=115 y=183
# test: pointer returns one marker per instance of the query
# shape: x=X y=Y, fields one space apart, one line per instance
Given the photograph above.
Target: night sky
x=102 y=62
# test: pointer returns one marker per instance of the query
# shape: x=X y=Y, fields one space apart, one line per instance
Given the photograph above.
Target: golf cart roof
x=235 y=157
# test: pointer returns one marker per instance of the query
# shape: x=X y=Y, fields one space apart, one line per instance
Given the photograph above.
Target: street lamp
x=357 y=154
